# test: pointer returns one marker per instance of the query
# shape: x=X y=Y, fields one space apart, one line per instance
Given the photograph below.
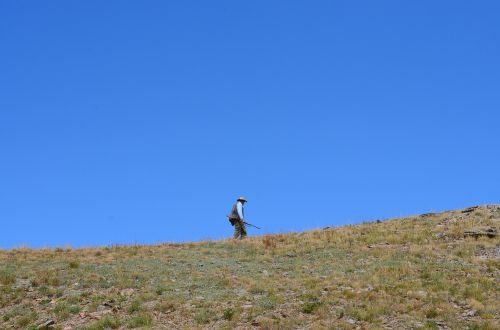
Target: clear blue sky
x=141 y=122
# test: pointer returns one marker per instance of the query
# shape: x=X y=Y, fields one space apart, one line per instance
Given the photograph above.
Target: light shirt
x=239 y=207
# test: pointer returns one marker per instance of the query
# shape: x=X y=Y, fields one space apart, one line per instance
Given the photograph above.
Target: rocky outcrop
x=477 y=232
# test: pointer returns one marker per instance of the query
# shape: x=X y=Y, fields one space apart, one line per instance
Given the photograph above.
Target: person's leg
x=243 y=231
x=236 y=230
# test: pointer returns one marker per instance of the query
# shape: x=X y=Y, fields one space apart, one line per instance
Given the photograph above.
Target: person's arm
x=239 y=207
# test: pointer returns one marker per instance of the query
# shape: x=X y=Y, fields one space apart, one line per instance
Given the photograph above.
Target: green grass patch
x=204 y=315
x=141 y=320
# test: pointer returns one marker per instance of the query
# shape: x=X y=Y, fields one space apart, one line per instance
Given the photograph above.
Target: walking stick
x=249 y=224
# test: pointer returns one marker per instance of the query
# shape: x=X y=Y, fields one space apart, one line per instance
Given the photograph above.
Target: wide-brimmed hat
x=241 y=198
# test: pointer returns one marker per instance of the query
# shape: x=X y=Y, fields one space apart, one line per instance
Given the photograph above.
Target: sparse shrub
x=73 y=299
x=132 y=251
x=492 y=265
x=35 y=283
x=431 y=313
x=268 y=242
x=431 y=324
x=484 y=325
x=48 y=277
x=3 y=301
x=7 y=277
x=141 y=320
x=44 y=290
x=473 y=291
x=349 y=294
x=257 y=290
x=159 y=290
x=135 y=306
x=268 y=302
x=310 y=306
x=26 y=319
x=463 y=253
x=23 y=321
x=74 y=264
x=204 y=316
x=474 y=304
x=107 y=321
x=221 y=283
x=74 y=309
x=85 y=294
x=426 y=274
x=62 y=310
x=368 y=313
x=474 y=326
x=59 y=292
x=138 y=277
x=6 y=317
x=228 y=314
x=165 y=307
x=25 y=315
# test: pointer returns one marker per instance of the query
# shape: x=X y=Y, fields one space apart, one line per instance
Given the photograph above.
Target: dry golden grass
x=415 y=272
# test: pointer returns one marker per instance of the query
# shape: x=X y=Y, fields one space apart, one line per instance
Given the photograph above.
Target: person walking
x=237 y=219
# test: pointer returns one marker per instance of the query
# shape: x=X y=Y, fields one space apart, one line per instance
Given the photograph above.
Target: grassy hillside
x=415 y=272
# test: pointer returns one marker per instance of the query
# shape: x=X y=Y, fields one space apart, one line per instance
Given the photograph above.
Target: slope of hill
x=433 y=271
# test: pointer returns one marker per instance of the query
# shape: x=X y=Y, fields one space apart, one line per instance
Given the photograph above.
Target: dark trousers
x=239 y=230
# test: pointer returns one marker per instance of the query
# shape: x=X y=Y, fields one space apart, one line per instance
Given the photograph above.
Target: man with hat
x=237 y=219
